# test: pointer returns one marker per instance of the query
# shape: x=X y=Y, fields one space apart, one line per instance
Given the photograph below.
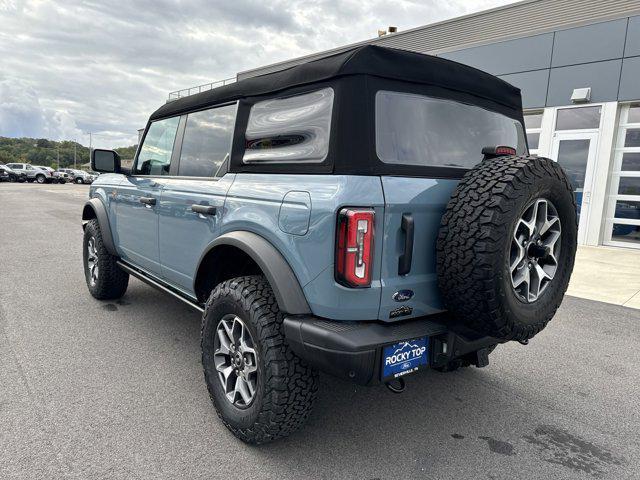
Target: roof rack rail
x=199 y=88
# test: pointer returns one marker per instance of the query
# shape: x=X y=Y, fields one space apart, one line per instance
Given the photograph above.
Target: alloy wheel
x=236 y=361
x=535 y=250
x=92 y=261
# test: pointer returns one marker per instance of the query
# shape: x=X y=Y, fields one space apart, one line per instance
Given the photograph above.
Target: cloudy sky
x=72 y=67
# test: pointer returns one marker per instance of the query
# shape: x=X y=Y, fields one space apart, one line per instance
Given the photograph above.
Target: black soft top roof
x=372 y=60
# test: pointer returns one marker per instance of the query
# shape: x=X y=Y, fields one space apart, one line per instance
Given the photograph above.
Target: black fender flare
x=94 y=208
x=283 y=281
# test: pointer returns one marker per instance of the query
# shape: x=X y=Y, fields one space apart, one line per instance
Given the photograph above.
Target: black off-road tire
x=41 y=179
x=79 y=181
x=112 y=282
x=286 y=386
x=475 y=239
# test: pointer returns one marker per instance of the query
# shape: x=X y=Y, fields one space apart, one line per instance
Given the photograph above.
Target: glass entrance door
x=576 y=153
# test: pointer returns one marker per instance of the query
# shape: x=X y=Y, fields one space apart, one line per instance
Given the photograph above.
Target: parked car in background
x=33 y=173
x=64 y=177
x=56 y=177
x=8 y=175
x=78 y=176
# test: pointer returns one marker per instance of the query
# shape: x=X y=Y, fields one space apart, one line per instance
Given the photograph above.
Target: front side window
x=155 y=155
x=207 y=141
x=417 y=130
x=290 y=130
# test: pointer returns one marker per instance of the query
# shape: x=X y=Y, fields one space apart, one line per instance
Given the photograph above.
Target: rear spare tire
x=506 y=246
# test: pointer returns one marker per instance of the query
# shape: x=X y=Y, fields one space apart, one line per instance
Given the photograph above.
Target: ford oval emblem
x=402 y=295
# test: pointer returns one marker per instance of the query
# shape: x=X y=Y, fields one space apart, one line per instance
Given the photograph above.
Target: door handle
x=404 y=262
x=204 y=209
x=148 y=200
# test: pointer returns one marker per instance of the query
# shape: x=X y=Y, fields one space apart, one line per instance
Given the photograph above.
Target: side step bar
x=158 y=284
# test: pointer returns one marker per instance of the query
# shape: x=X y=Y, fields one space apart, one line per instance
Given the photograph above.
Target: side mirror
x=105 y=161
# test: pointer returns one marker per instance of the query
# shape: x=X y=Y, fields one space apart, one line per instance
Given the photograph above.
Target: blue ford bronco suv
x=368 y=214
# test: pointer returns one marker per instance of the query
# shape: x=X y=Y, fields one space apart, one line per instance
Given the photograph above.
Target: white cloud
x=104 y=65
x=22 y=115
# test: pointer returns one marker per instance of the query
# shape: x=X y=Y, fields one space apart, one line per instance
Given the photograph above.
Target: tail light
x=354 y=247
x=498 y=151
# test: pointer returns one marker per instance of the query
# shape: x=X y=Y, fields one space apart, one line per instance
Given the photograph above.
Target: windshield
x=418 y=130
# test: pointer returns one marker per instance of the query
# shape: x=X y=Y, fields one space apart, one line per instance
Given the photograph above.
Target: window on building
x=207 y=141
x=155 y=155
x=580 y=118
x=632 y=137
x=290 y=130
x=634 y=114
x=623 y=211
x=631 y=162
x=533 y=124
x=533 y=120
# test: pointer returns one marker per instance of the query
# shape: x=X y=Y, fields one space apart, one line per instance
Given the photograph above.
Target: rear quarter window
x=418 y=130
x=290 y=130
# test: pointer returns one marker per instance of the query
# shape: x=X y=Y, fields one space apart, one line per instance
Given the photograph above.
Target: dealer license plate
x=404 y=357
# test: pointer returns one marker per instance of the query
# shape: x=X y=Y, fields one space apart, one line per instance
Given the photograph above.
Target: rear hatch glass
x=424 y=131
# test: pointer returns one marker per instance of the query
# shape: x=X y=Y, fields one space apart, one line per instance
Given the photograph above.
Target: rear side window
x=418 y=130
x=290 y=130
x=155 y=154
x=207 y=141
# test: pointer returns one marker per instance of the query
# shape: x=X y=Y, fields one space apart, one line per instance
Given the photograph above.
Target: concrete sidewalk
x=606 y=274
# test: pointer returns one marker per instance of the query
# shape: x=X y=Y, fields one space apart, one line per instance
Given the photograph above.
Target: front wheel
x=260 y=389
x=105 y=280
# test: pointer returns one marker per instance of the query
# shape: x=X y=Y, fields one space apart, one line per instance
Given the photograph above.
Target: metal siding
x=632 y=48
x=602 y=77
x=629 y=83
x=533 y=86
x=592 y=43
x=512 y=21
x=520 y=55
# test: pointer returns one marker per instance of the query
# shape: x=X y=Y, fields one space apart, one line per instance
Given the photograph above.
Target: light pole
x=75 y=144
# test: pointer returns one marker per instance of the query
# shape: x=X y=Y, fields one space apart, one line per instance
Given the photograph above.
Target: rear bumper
x=353 y=350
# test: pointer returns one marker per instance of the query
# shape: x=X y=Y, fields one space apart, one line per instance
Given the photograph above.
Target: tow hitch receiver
x=396 y=389
x=482 y=357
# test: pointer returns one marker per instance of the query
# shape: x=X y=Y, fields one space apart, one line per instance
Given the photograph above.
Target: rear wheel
x=261 y=390
x=506 y=246
x=79 y=180
x=40 y=178
x=105 y=280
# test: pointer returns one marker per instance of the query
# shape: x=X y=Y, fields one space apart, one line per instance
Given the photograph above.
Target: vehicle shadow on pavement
x=437 y=427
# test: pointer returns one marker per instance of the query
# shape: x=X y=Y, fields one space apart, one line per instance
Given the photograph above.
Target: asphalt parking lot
x=93 y=389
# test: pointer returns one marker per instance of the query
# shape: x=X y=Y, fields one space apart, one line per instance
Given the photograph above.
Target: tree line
x=40 y=151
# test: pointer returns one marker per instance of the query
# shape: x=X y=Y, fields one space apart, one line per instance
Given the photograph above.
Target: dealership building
x=577 y=63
